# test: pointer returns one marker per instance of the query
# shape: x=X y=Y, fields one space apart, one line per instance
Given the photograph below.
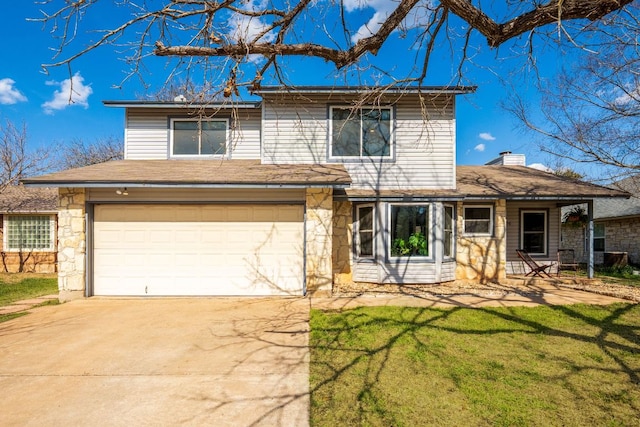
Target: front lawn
x=18 y=286
x=393 y=366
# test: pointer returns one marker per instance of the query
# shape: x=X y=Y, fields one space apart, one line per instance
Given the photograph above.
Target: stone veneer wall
x=342 y=242
x=620 y=235
x=71 y=244
x=482 y=258
x=319 y=232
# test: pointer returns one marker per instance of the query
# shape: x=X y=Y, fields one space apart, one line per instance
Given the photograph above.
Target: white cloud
x=246 y=28
x=540 y=167
x=72 y=91
x=487 y=136
x=382 y=10
x=9 y=94
x=479 y=147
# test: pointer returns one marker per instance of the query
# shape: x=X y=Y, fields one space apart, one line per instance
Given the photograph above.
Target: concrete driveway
x=124 y=362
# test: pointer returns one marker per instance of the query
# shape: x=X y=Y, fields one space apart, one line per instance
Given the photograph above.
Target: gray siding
x=147 y=133
x=297 y=131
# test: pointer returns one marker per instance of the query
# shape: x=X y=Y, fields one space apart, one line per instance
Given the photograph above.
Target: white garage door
x=198 y=250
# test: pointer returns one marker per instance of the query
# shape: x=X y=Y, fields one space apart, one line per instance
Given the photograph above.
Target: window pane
x=365 y=231
x=477 y=220
x=185 y=137
x=534 y=232
x=29 y=232
x=448 y=231
x=376 y=133
x=409 y=231
x=214 y=134
x=345 y=133
x=598 y=230
x=534 y=243
x=533 y=221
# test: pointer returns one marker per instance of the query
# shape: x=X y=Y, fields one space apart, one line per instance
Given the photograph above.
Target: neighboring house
x=293 y=193
x=616 y=226
x=29 y=227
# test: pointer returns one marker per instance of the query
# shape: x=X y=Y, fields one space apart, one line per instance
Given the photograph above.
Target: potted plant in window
x=416 y=244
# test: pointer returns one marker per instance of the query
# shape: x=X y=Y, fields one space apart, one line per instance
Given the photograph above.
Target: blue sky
x=40 y=100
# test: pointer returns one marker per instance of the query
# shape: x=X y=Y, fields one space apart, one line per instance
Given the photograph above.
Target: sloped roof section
x=196 y=173
x=616 y=208
x=502 y=182
x=20 y=199
x=524 y=182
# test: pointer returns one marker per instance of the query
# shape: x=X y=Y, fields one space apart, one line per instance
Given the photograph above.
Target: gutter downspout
x=590 y=260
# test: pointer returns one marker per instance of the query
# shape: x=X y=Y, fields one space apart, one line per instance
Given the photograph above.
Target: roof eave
x=171 y=104
x=129 y=184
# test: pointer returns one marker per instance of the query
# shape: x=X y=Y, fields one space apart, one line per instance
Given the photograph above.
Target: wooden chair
x=567 y=260
x=536 y=269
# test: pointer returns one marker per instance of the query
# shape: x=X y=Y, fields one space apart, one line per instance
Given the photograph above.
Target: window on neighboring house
x=365 y=234
x=448 y=230
x=598 y=237
x=199 y=137
x=29 y=232
x=410 y=230
x=533 y=232
x=478 y=220
x=359 y=133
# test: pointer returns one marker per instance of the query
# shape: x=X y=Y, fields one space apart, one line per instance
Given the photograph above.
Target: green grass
x=561 y=365
x=16 y=287
x=619 y=275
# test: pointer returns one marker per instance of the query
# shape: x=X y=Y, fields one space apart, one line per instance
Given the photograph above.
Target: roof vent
x=180 y=98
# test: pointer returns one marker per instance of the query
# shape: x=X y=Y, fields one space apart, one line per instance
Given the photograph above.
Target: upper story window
x=199 y=137
x=29 y=233
x=478 y=220
x=360 y=133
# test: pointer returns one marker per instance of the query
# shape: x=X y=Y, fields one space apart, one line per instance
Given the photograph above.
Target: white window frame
x=428 y=235
x=453 y=231
x=5 y=233
x=545 y=232
x=198 y=156
x=373 y=231
x=362 y=155
x=491 y=220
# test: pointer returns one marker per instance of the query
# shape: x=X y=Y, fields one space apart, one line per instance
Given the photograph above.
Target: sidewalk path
x=26 y=304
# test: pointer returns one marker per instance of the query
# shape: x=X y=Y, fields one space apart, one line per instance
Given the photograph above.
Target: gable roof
x=21 y=199
x=196 y=173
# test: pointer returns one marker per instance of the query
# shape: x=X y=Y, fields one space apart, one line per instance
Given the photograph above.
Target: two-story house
x=289 y=194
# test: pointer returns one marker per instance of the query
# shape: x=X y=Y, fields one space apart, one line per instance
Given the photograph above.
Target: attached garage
x=198 y=249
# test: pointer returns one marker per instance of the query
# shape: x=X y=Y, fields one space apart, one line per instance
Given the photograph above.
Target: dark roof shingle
x=20 y=199
x=195 y=173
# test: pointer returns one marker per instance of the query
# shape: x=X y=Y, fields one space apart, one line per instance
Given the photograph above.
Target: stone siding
x=319 y=233
x=621 y=235
x=71 y=244
x=482 y=258
x=342 y=242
